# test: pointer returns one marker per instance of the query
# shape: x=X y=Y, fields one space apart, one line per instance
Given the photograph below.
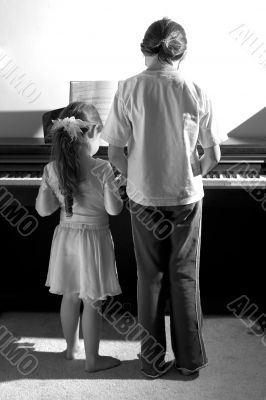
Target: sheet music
x=99 y=93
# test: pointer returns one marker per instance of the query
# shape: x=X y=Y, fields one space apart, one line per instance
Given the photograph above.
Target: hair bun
x=165 y=38
x=174 y=45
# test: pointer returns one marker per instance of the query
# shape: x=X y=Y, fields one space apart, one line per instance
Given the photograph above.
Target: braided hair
x=65 y=151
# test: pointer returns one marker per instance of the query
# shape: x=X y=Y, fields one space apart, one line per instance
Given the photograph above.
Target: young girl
x=82 y=263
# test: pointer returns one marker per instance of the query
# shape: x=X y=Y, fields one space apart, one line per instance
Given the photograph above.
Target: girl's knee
x=90 y=303
x=73 y=297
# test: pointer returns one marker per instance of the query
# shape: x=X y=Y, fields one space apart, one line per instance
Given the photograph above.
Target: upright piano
x=242 y=164
x=234 y=219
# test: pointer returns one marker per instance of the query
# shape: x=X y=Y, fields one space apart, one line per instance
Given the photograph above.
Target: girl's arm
x=112 y=200
x=46 y=201
x=210 y=158
x=118 y=158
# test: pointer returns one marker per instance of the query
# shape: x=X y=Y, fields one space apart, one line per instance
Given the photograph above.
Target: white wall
x=51 y=42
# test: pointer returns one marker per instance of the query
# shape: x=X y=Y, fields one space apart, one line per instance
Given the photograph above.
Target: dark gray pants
x=167 y=249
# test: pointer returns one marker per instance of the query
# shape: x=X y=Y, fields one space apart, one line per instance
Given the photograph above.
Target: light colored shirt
x=97 y=195
x=162 y=118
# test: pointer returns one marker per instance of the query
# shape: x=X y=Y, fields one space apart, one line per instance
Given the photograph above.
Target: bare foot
x=72 y=354
x=101 y=363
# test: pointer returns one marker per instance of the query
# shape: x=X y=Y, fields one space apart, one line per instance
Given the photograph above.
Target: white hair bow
x=71 y=125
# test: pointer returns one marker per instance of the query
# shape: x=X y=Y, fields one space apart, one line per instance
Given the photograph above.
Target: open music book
x=98 y=93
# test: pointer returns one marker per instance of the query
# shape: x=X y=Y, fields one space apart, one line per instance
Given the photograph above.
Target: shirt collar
x=158 y=66
x=164 y=69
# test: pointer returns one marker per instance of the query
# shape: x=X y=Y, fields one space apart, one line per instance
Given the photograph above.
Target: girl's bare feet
x=100 y=363
x=72 y=354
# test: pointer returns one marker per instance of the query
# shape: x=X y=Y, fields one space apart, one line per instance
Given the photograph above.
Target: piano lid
x=245 y=142
x=254 y=146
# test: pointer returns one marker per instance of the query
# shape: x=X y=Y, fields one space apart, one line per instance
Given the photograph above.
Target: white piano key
x=20 y=181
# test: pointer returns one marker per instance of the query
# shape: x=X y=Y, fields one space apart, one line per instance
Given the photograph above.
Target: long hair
x=65 y=151
x=165 y=38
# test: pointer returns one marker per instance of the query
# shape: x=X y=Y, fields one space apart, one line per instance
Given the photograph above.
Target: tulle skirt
x=82 y=261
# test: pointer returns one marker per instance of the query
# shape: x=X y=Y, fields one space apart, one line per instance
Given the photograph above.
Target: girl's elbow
x=119 y=208
x=115 y=209
x=40 y=213
x=38 y=209
x=43 y=211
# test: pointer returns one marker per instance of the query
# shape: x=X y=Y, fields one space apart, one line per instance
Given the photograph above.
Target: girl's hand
x=120 y=182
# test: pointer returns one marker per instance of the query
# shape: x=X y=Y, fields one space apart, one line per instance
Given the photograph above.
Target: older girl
x=162 y=118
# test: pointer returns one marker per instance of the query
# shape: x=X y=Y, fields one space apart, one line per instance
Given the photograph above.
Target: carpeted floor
x=236 y=370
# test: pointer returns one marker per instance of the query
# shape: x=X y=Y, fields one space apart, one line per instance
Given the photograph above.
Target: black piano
x=234 y=219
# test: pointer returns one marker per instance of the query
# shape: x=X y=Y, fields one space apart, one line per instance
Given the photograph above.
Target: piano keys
x=213 y=180
x=230 y=179
x=25 y=178
x=243 y=164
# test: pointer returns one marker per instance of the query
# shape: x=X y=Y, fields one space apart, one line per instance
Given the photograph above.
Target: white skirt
x=82 y=261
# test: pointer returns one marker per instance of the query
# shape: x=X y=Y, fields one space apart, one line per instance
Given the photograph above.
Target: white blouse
x=162 y=118
x=98 y=195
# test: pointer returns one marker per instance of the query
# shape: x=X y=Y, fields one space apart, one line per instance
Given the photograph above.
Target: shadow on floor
x=52 y=365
